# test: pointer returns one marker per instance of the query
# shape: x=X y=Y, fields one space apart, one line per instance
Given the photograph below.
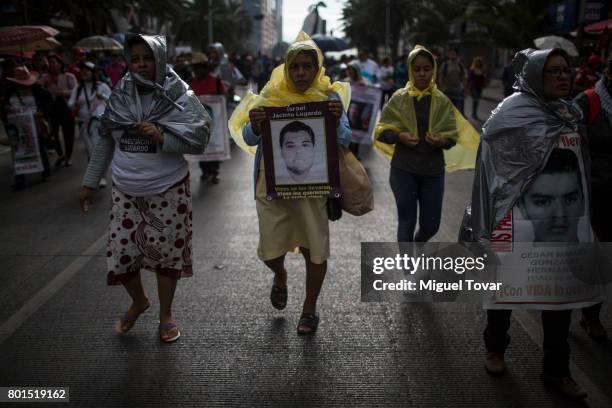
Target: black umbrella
x=329 y=43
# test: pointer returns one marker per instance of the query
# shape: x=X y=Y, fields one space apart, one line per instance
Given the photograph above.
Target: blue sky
x=294 y=12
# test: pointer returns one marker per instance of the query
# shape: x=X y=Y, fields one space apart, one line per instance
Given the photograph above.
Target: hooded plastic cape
x=280 y=91
x=444 y=119
x=175 y=108
x=515 y=145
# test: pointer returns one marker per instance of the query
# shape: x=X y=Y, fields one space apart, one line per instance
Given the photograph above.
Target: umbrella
x=598 y=28
x=553 y=41
x=17 y=35
x=329 y=43
x=99 y=43
x=45 y=44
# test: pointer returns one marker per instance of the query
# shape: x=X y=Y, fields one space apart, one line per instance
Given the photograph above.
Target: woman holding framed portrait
x=286 y=225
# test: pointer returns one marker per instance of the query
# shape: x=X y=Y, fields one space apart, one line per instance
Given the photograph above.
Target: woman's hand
x=435 y=140
x=257 y=116
x=335 y=108
x=151 y=131
x=408 y=139
x=86 y=198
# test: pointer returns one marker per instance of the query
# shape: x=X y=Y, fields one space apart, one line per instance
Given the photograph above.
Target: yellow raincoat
x=444 y=119
x=279 y=91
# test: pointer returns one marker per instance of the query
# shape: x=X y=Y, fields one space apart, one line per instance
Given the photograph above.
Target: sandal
x=594 y=329
x=169 y=332
x=308 y=323
x=127 y=321
x=278 y=297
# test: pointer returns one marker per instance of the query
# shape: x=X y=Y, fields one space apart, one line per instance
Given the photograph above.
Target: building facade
x=267 y=18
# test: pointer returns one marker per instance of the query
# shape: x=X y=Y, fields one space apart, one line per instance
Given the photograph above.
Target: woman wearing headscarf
x=519 y=139
x=151 y=119
x=417 y=128
x=596 y=105
x=288 y=224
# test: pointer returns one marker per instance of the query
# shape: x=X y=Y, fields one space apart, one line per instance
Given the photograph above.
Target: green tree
x=231 y=24
x=432 y=21
x=513 y=24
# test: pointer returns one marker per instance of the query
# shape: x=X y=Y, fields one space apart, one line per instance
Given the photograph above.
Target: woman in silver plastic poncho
x=519 y=153
x=151 y=120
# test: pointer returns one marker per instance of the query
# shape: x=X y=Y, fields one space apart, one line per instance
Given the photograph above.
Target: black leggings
x=66 y=122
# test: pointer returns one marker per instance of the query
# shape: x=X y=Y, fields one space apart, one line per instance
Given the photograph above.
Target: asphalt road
x=57 y=314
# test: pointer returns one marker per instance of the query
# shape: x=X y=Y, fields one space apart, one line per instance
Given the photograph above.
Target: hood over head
x=157 y=44
x=529 y=66
x=431 y=88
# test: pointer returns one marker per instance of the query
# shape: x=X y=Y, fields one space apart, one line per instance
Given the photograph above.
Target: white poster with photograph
x=544 y=245
x=363 y=112
x=300 y=152
x=218 y=147
x=23 y=137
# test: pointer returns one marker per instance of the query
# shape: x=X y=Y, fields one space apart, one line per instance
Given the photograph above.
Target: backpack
x=594 y=105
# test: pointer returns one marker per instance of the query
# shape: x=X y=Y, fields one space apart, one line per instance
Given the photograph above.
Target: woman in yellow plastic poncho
x=288 y=224
x=417 y=126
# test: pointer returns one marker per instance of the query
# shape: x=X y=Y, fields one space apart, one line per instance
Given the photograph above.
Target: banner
x=363 y=112
x=544 y=245
x=218 y=147
x=300 y=152
x=23 y=137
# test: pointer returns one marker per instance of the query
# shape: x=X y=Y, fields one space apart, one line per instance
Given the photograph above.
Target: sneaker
x=565 y=385
x=494 y=363
x=67 y=163
x=59 y=161
x=102 y=183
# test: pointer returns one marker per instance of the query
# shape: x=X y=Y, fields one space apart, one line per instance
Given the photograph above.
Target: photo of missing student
x=218 y=147
x=363 y=112
x=555 y=203
x=548 y=262
x=300 y=152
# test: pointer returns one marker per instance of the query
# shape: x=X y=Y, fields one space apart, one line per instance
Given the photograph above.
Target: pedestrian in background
x=88 y=99
x=288 y=224
x=596 y=105
x=116 y=69
x=588 y=75
x=531 y=120
x=400 y=72
x=416 y=126
x=477 y=80
x=369 y=67
x=26 y=95
x=387 y=84
x=204 y=82
x=452 y=79
x=60 y=84
x=151 y=120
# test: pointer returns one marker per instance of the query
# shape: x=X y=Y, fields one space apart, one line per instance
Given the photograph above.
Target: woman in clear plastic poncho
x=422 y=133
x=288 y=224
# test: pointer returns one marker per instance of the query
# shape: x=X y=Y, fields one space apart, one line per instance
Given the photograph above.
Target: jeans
x=457 y=98
x=410 y=189
x=555 y=324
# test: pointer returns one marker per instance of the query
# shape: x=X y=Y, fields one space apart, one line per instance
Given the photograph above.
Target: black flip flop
x=278 y=297
x=310 y=321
